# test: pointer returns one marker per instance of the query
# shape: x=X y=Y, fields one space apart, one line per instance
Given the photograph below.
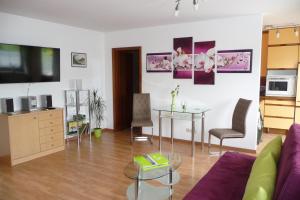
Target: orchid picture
x=204 y=63
x=234 y=61
x=182 y=57
x=159 y=62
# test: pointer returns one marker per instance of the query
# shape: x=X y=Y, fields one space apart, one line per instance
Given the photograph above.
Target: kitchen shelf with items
x=77 y=117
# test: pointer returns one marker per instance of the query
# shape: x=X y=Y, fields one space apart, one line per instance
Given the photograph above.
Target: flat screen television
x=29 y=64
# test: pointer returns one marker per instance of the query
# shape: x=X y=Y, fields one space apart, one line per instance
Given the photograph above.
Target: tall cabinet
x=282 y=52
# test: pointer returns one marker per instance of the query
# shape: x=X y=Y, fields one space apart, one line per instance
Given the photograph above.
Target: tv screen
x=28 y=64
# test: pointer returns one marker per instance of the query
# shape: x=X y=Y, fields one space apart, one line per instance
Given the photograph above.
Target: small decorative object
x=182 y=58
x=97 y=106
x=79 y=59
x=204 y=61
x=174 y=94
x=234 y=61
x=183 y=105
x=159 y=62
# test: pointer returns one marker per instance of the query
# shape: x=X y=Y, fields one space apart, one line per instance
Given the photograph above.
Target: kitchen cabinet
x=286 y=36
x=29 y=135
x=281 y=57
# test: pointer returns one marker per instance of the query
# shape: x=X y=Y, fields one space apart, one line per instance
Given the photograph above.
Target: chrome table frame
x=175 y=115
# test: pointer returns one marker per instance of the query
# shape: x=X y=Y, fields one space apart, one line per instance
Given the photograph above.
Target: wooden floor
x=94 y=171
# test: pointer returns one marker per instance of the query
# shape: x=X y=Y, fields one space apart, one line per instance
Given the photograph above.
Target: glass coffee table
x=167 y=176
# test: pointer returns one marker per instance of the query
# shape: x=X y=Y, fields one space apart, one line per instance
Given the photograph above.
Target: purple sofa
x=227 y=179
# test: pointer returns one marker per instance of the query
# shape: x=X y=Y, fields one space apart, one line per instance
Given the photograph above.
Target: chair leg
x=131 y=135
x=151 y=140
x=209 y=139
x=221 y=145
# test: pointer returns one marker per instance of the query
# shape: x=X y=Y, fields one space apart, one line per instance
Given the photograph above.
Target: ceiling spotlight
x=277 y=34
x=176 y=13
x=196 y=4
x=296 y=31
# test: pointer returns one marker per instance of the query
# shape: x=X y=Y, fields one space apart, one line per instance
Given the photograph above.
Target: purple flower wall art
x=234 y=61
x=182 y=58
x=204 y=63
x=159 y=62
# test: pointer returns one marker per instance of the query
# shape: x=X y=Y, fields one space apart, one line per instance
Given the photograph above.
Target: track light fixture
x=296 y=31
x=277 y=33
x=176 y=13
x=195 y=4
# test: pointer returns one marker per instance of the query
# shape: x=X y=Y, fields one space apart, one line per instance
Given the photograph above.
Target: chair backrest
x=141 y=107
x=239 y=115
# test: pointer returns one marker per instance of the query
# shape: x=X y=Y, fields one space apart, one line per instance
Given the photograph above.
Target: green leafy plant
x=97 y=107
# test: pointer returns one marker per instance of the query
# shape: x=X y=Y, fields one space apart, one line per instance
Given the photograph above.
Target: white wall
x=21 y=30
x=231 y=33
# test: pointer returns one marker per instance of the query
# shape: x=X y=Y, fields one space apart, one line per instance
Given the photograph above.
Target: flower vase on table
x=174 y=94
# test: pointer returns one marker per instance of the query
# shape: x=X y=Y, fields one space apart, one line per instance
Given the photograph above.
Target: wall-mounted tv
x=29 y=64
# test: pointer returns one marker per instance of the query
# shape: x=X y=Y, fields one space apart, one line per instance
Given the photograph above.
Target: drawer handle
x=34 y=117
x=51 y=130
x=51 y=122
x=50 y=115
x=51 y=137
x=52 y=145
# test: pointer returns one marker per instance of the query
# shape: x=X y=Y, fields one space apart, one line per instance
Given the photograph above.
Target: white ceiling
x=110 y=15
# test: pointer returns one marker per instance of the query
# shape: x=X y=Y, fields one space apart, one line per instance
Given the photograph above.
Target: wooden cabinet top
x=29 y=112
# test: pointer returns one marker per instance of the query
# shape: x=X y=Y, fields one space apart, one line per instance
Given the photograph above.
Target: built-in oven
x=281 y=85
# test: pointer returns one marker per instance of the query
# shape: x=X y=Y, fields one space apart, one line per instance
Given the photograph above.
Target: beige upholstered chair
x=238 y=129
x=141 y=115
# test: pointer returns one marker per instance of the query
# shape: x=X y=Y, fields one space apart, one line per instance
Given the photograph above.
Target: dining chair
x=238 y=129
x=141 y=115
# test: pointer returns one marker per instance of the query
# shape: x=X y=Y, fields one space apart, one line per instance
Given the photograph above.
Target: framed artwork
x=204 y=63
x=182 y=58
x=78 y=59
x=159 y=62
x=234 y=61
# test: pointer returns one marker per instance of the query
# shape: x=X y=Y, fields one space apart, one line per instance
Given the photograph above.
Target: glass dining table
x=192 y=114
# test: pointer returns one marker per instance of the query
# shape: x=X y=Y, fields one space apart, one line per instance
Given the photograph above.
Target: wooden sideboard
x=29 y=135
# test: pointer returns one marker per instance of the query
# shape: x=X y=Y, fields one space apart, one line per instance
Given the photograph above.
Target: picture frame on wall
x=234 y=61
x=159 y=62
x=79 y=59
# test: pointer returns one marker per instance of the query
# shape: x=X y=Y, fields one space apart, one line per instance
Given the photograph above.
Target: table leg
x=202 y=132
x=172 y=133
x=137 y=188
x=193 y=135
x=171 y=183
x=159 y=129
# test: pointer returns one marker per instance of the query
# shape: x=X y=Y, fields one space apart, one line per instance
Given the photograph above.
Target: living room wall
x=22 y=30
x=230 y=33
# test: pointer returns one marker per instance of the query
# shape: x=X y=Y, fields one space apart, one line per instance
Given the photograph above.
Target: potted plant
x=97 y=107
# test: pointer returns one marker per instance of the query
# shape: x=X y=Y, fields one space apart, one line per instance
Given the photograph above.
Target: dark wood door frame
x=115 y=78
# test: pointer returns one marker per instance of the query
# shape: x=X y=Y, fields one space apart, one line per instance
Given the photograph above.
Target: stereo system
x=28 y=103
x=7 y=105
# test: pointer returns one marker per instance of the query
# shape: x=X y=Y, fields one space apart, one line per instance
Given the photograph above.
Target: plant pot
x=97 y=132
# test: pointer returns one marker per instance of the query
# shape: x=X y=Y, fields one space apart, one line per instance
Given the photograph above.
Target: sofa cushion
x=261 y=183
x=288 y=179
x=226 y=180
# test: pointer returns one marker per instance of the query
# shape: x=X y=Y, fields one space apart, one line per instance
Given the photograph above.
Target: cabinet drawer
x=51 y=130
x=51 y=145
x=280 y=102
x=279 y=111
x=52 y=114
x=51 y=138
x=279 y=123
x=50 y=123
x=283 y=57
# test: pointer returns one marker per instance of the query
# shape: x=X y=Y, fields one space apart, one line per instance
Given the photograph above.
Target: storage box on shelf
x=29 y=135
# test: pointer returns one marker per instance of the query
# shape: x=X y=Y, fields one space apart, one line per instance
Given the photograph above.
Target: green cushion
x=262 y=179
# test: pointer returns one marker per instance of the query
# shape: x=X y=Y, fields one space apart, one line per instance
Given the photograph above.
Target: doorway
x=127 y=78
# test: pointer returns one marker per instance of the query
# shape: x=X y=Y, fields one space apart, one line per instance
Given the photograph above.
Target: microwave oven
x=281 y=85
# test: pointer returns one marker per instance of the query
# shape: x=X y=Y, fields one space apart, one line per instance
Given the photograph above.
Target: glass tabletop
x=179 y=109
x=133 y=171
